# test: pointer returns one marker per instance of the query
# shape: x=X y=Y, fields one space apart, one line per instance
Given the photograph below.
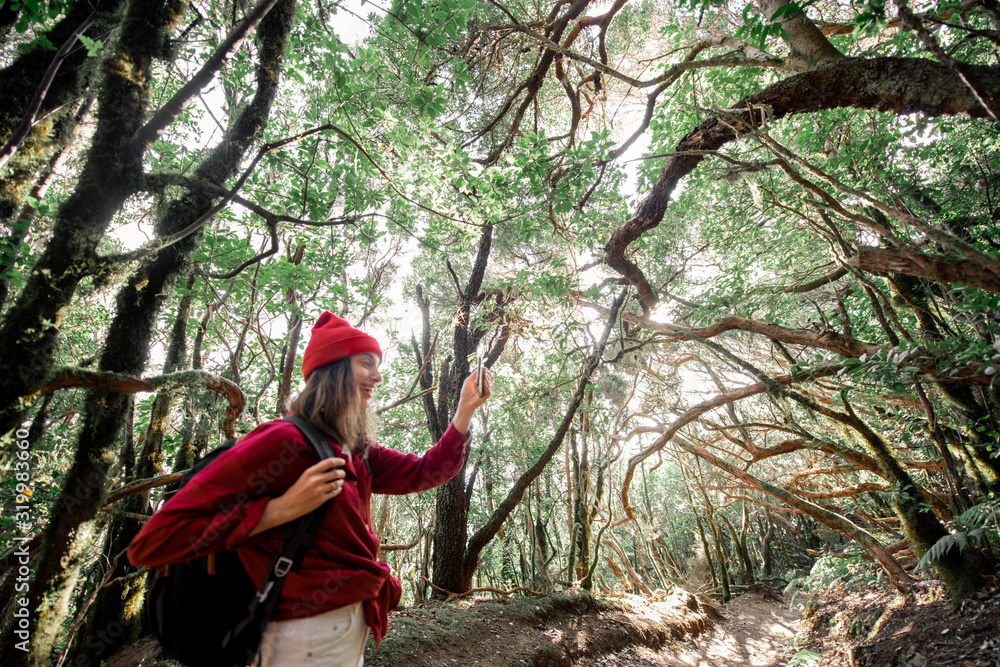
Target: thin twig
x=406 y=399
x=141 y=518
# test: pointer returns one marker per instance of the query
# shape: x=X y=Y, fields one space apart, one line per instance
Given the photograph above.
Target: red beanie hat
x=333 y=339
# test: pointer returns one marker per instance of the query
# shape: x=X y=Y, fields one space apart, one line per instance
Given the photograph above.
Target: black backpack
x=205 y=612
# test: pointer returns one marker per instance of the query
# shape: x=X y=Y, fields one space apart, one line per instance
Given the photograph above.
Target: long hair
x=332 y=402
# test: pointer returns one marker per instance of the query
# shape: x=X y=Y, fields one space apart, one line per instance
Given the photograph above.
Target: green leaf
x=805 y=658
x=94 y=46
x=784 y=10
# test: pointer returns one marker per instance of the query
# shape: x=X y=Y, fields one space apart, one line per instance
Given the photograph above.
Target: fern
x=981 y=514
x=806 y=658
x=972 y=528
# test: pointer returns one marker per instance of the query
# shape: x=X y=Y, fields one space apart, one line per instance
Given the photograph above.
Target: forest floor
x=841 y=626
x=877 y=627
x=552 y=631
x=754 y=630
x=846 y=624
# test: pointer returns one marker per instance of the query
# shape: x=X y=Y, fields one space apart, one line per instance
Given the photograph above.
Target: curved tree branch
x=68 y=377
x=706 y=406
x=169 y=112
x=825 y=340
x=896 y=85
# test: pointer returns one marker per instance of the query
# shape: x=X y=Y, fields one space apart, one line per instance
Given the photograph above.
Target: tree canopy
x=734 y=268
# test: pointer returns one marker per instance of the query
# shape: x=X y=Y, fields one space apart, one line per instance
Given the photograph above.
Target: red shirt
x=341 y=565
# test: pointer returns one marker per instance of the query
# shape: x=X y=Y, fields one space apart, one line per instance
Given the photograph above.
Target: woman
x=271 y=476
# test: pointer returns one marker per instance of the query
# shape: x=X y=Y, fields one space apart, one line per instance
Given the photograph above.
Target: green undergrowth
x=853 y=573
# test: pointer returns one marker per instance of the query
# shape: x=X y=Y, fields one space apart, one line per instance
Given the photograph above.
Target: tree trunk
x=701 y=534
x=483 y=536
x=581 y=515
x=720 y=553
x=55 y=121
x=453 y=497
x=19 y=222
x=127 y=347
x=80 y=223
x=289 y=368
x=742 y=556
x=114 y=614
x=765 y=548
x=30 y=329
x=897 y=575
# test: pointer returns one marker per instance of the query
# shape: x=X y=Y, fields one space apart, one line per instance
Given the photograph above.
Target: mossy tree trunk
x=20 y=82
x=720 y=552
x=919 y=523
x=975 y=448
x=29 y=332
x=116 y=610
x=742 y=554
x=16 y=213
x=141 y=299
x=701 y=534
x=582 y=518
x=977 y=451
x=195 y=428
x=126 y=351
x=766 y=541
x=30 y=329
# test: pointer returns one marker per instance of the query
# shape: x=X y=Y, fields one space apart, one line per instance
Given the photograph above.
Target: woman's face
x=364 y=367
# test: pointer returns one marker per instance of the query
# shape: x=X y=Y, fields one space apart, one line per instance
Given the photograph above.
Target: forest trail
x=572 y=629
x=676 y=630
x=757 y=631
x=871 y=626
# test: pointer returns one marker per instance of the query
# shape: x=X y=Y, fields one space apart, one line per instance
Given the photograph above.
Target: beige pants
x=334 y=639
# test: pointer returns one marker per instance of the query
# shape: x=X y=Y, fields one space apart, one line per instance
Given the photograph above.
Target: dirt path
x=572 y=629
x=756 y=632
x=558 y=630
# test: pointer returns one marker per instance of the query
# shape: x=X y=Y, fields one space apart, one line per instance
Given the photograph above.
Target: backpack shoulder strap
x=312 y=435
x=317 y=439
x=297 y=536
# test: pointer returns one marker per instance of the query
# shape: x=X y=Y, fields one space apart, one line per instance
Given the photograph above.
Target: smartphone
x=479 y=374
